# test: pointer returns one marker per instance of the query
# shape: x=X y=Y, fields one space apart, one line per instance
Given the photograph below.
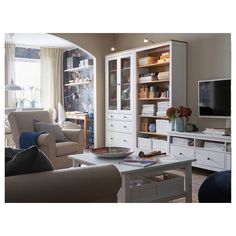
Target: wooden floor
x=198 y=176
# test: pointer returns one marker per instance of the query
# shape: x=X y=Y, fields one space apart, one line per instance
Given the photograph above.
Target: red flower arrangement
x=182 y=111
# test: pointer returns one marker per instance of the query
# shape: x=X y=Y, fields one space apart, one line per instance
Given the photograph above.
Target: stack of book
x=214 y=146
x=181 y=141
x=148 y=109
x=148 y=77
x=162 y=107
x=214 y=131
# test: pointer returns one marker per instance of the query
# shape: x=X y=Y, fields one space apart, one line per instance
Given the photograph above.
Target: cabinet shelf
x=79 y=83
x=81 y=68
x=125 y=68
x=154 y=82
x=151 y=133
x=155 y=65
x=153 y=99
x=156 y=117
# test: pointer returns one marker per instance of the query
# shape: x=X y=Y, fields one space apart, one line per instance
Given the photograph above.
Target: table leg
x=75 y=163
x=124 y=195
x=188 y=182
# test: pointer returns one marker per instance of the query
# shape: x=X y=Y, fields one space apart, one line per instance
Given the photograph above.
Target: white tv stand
x=213 y=152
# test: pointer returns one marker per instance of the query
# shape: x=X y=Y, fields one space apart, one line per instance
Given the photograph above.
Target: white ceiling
x=38 y=40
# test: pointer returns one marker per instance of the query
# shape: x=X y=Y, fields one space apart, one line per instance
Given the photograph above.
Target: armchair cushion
x=52 y=129
x=27 y=161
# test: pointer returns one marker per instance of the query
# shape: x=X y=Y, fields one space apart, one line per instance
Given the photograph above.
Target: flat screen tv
x=214 y=98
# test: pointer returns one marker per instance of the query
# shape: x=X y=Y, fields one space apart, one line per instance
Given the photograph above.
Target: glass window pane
x=27 y=75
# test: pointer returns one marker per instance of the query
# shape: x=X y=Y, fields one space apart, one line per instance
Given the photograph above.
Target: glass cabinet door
x=112 y=73
x=125 y=83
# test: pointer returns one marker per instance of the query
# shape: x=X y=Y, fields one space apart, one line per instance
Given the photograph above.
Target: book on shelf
x=215 y=131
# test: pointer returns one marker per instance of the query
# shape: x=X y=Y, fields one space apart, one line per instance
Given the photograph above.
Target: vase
x=185 y=120
x=152 y=128
x=179 y=124
x=172 y=125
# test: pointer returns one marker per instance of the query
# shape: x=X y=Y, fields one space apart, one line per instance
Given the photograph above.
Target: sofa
x=99 y=183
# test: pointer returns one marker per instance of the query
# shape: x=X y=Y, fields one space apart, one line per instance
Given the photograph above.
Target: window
x=27 y=75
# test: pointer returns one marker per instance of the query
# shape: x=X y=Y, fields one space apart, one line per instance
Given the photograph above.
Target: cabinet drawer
x=118 y=140
x=119 y=126
x=212 y=159
x=177 y=150
x=123 y=117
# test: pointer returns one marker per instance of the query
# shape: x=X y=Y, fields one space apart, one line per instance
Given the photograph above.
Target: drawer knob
x=112 y=125
x=111 y=116
x=111 y=138
x=124 y=117
x=208 y=158
x=180 y=153
x=125 y=140
x=125 y=126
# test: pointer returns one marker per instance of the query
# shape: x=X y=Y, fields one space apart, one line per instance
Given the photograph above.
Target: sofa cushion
x=28 y=161
x=52 y=129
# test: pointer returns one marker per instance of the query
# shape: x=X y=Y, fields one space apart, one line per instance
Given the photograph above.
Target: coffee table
x=147 y=191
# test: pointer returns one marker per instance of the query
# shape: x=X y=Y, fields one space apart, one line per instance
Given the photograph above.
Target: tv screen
x=214 y=98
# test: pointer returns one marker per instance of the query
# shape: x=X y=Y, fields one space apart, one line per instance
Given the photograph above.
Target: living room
x=200 y=49
x=208 y=58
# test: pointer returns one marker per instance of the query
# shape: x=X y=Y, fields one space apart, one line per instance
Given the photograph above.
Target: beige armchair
x=57 y=152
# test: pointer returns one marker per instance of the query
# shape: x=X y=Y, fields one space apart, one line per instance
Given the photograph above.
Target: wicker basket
x=146 y=61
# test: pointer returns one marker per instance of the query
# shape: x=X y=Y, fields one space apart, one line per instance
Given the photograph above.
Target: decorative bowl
x=111 y=152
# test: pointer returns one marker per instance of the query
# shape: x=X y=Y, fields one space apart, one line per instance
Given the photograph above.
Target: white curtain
x=10 y=96
x=51 y=60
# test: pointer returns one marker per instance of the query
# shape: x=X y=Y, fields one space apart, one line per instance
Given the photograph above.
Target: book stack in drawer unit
x=162 y=127
x=162 y=107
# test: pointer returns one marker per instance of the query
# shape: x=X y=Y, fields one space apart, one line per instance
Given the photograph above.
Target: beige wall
x=209 y=57
x=98 y=45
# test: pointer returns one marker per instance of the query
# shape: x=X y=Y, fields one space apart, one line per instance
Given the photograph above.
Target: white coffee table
x=130 y=173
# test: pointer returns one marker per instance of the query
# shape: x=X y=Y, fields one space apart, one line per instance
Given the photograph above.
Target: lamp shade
x=12 y=87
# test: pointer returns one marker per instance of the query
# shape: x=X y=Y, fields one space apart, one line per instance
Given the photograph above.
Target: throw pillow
x=10 y=153
x=28 y=161
x=52 y=129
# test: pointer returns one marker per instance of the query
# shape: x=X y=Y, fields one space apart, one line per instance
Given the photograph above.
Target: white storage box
x=145 y=144
x=159 y=145
x=168 y=185
x=162 y=126
x=142 y=190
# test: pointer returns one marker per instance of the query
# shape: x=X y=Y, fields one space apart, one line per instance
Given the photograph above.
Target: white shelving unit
x=213 y=152
x=174 y=85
